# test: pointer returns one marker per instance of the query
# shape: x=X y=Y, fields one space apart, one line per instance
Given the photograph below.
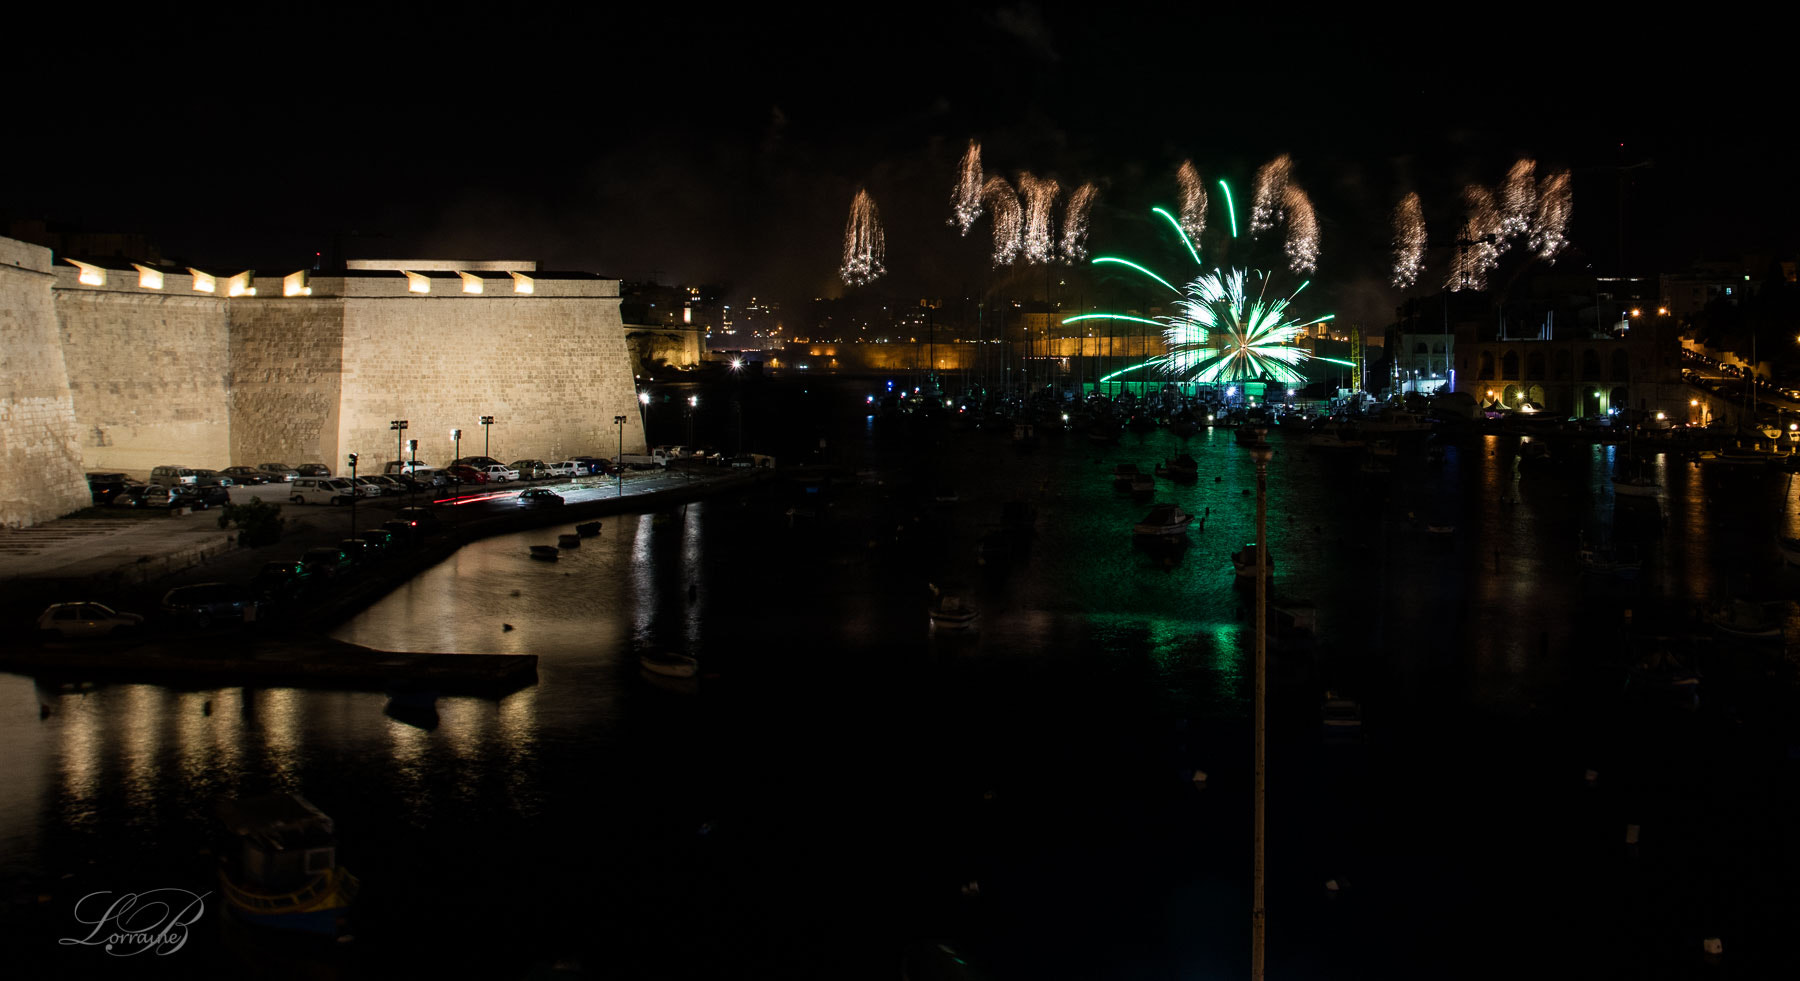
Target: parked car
x=278 y=580
x=128 y=496
x=169 y=476
x=396 y=468
x=321 y=490
x=278 y=471
x=500 y=473
x=85 y=619
x=467 y=474
x=382 y=539
x=478 y=462
x=424 y=477
x=186 y=496
x=361 y=551
x=313 y=470
x=247 y=476
x=212 y=478
x=203 y=604
x=103 y=486
x=380 y=485
x=566 y=468
x=403 y=532
x=421 y=518
x=592 y=464
x=325 y=562
x=530 y=469
x=536 y=497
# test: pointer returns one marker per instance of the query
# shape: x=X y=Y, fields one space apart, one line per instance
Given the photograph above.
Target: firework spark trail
x=1518 y=199
x=1409 y=241
x=864 y=246
x=1193 y=200
x=1303 y=231
x=1075 y=222
x=1038 y=238
x=1271 y=182
x=965 y=199
x=1009 y=221
x=1481 y=245
x=1554 y=202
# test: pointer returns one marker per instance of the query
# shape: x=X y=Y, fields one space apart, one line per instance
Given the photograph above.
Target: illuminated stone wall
x=287 y=360
x=40 y=455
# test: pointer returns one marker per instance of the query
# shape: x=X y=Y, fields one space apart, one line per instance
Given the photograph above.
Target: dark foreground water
x=823 y=805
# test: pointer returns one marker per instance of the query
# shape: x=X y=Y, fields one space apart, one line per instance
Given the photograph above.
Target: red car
x=466 y=474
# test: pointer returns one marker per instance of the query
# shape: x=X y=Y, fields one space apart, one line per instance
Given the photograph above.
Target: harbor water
x=847 y=784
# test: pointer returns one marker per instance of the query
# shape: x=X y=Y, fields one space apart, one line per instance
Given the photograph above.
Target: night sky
x=726 y=147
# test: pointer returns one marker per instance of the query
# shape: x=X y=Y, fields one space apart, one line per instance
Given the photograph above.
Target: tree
x=259 y=522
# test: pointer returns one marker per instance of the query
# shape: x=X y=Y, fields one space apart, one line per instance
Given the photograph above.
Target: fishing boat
x=279 y=867
x=1164 y=521
x=1243 y=562
x=547 y=553
x=1183 y=467
x=669 y=665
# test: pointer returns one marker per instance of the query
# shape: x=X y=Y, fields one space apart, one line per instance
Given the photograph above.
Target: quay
x=289 y=648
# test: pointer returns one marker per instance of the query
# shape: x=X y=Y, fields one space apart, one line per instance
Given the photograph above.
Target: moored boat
x=279 y=868
x=669 y=664
x=1243 y=562
x=548 y=553
x=1123 y=474
x=1183 y=467
x=1163 y=521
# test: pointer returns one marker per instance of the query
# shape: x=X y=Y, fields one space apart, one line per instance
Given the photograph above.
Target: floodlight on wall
x=471 y=282
x=523 y=284
x=416 y=283
x=239 y=285
x=204 y=282
x=91 y=275
x=294 y=284
x=148 y=278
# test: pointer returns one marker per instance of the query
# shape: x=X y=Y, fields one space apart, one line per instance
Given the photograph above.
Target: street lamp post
x=456 y=437
x=487 y=423
x=618 y=461
x=1260 y=452
x=693 y=403
x=412 y=482
x=355 y=492
x=399 y=428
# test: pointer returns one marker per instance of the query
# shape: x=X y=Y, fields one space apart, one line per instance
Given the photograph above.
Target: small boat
x=1183 y=467
x=948 y=611
x=548 y=553
x=1243 y=562
x=1748 y=621
x=279 y=868
x=669 y=665
x=588 y=529
x=568 y=541
x=1164 y=521
x=1340 y=717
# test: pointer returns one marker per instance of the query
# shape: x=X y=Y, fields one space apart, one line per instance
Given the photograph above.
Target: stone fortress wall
x=300 y=369
x=40 y=453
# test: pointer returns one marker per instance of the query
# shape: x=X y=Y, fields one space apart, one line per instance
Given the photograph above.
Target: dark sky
x=702 y=145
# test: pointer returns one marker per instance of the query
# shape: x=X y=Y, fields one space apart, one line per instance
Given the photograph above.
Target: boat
x=1123 y=474
x=279 y=868
x=548 y=553
x=588 y=529
x=1340 y=717
x=568 y=541
x=1164 y=521
x=1143 y=485
x=1790 y=550
x=1243 y=562
x=1748 y=621
x=669 y=665
x=1183 y=467
x=948 y=611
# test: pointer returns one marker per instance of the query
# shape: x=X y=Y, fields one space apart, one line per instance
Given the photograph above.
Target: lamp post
x=412 y=482
x=1260 y=452
x=355 y=492
x=693 y=403
x=487 y=422
x=620 y=422
x=456 y=437
x=399 y=428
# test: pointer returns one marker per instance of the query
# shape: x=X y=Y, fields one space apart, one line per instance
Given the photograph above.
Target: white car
x=567 y=468
x=501 y=474
x=72 y=621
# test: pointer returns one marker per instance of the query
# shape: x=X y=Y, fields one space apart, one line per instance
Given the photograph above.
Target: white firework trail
x=1409 y=241
x=1479 y=250
x=1075 y=222
x=864 y=247
x=1554 y=202
x=1518 y=199
x=965 y=199
x=1271 y=182
x=1038 y=239
x=1303 y=231
x=1009 y=221
x=1193 y=200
